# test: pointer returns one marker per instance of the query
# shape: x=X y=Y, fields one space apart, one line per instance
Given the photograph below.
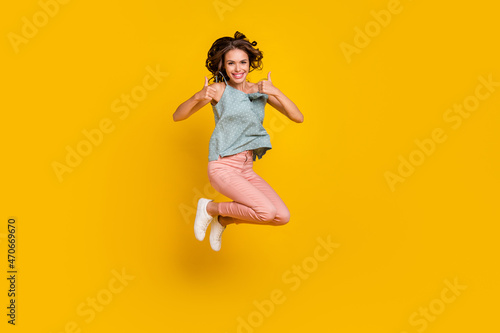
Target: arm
x=284 y=105
x=195 y=102
x=279 y=101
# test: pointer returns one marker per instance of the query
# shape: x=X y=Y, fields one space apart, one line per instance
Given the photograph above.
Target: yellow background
x=129 y=205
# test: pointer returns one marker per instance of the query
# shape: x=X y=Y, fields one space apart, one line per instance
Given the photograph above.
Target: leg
x=249 y=205
x=255 y=201
x=282 y=215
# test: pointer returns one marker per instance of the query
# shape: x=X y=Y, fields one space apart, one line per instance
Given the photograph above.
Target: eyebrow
x=233 y=60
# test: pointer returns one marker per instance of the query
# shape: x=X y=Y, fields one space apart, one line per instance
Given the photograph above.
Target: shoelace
x=206 y=224
x=220 y=233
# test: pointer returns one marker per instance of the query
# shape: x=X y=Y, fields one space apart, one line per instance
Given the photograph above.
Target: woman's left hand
x=267 y=87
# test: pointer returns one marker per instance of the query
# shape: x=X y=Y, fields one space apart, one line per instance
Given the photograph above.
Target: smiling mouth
x=238 y=76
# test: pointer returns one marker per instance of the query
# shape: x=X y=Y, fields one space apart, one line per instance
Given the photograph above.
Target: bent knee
x=281 y=218
x=267 y=215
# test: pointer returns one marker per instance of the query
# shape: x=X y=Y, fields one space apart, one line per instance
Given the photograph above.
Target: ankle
x=212 y=208
x=222 y=221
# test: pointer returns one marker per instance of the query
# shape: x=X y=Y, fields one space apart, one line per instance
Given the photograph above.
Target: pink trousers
x=255 y=201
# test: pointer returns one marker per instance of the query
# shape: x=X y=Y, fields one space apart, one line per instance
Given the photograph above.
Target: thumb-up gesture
x=205 y=94
x=267 y=87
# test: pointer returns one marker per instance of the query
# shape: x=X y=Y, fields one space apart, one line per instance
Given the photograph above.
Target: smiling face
x=237 y=65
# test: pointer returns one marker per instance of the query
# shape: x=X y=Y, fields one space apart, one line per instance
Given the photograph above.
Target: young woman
x=238 y=139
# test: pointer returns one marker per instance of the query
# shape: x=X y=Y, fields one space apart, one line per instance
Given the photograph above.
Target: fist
x=267 y=87
x=207 y=93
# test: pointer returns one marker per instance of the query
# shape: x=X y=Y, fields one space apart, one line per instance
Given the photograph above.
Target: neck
x=243 y=86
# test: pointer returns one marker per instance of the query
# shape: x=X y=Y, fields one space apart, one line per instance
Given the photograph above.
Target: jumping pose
x=238 y=139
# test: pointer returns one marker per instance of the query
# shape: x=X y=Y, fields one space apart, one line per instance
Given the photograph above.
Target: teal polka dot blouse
x=238 y=124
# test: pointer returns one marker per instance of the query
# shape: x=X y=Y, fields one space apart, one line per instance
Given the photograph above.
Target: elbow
x=299 y=120
x=297 y=116
x=176 y=117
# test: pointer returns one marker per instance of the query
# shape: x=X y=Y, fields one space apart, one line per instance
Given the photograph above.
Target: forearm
x=187 y=108
x=291 y=110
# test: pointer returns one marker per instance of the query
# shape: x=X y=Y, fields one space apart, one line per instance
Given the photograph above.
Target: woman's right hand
x=207 y=93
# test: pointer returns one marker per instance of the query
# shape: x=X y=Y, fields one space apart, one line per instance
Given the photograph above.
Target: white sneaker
x=202 y=219
x=215 y=234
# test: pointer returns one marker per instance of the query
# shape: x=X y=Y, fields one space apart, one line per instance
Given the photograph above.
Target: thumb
x=206 y=81
x=269 y=76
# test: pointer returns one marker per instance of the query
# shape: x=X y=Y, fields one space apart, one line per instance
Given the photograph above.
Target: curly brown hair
x=215 y=59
